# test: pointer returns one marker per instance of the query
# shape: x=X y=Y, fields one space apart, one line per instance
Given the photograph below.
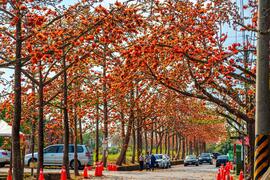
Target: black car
x=191 y=160
x=205 y=158
x=221 y=160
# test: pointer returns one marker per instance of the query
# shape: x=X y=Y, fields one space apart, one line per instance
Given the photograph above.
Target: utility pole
x=262 y=127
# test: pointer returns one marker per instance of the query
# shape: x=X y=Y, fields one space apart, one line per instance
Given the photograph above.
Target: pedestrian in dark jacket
x=147 y=161
x=153 y=162
x=141 y=161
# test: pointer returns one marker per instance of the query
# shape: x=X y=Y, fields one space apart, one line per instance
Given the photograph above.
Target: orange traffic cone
x=241 y=176
x=85 y=172
x=9 y=177
x=41 y=175
x=63 y=173
x=218 y=176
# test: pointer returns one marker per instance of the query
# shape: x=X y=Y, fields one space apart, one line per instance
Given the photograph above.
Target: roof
x=5 y=129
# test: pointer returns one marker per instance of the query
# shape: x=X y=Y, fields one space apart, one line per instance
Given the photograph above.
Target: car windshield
x=205 y=155
x=190 y=157
x=158 y=156
x=222 y=157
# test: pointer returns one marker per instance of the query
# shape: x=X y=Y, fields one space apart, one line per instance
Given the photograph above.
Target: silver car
x=4 y=157
x=162 y=160
x=53 y=156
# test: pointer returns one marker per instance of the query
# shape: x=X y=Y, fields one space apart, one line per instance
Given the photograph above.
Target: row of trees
x=155 y=68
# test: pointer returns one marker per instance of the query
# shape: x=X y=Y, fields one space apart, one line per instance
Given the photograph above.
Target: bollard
x=85 y=172
x=63 y=173
x=109 y=167
x=115 y=167
x=241 y=176
x=41 y=175
x=218 y=176
x=98 y=170
x=9 y=177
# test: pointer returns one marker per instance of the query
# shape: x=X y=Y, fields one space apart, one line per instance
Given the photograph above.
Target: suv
x=53 y=155
x=205 y=157
x=4 y=157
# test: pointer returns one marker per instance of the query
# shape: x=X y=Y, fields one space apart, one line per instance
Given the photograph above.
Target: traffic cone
x=63 y=173
x=85 y=172
x=218 y=176
x=41 y=175
x=9 y=177
x=241 y=176
x=98 y=170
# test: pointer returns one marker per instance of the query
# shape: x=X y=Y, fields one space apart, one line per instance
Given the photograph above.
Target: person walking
x=141 y=161
x=153 y=162
x=147 y=161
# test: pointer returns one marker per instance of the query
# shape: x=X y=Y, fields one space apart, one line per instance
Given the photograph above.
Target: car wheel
x=2 y=164
x=185 y=164
x=211 y=163
x=72 y=164
x=31 y=160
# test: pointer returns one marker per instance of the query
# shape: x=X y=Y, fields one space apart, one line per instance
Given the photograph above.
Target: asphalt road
x=179 y=172
x=202 y=172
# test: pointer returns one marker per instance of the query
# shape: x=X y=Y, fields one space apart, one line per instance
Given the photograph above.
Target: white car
x=53 y=156
x=4 y=157
x=162 y=160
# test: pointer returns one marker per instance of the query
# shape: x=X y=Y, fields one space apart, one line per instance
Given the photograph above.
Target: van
x=53 y=156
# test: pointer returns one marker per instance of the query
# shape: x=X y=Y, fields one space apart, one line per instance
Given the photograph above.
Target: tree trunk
x=169 y=145
x=134 y=143
x=97 y=129
x=40 y=122
x=105 y=112
x=76 y=171
x=146 y=140
x=66 y=123
x=166 y=142
x=161 y=143
x=16 y=159
x=33 y=127
x=139 y=138
x=152 y=138
x=123 y=131
x=128 y=133
x=179 y=146
x=156 y=142
x=183 y=148
x=173 y=146
x=80 y=128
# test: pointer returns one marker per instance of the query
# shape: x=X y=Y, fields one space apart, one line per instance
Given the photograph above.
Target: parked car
x=162 y=161
x=168 y=160
x=215 y=155
x=222 y=160
x=4 y=157
x=191 y=160
x=53 y=156
x=205 y=158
